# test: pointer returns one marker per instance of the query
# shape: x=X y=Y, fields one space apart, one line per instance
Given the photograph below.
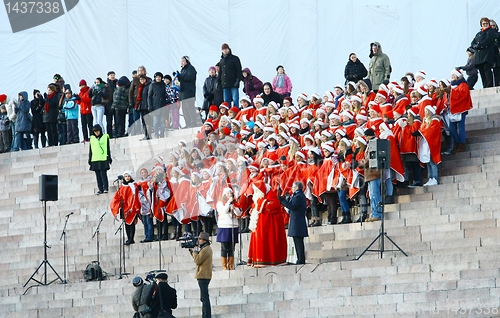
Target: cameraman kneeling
x=203 y=259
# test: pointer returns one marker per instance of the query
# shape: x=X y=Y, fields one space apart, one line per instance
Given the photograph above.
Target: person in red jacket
x=460 y=103
x=85 y=110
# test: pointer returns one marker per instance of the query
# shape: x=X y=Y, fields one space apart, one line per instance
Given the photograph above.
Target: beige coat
x=203 y=261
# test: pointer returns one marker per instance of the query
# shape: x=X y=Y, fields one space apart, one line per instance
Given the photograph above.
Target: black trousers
x=332 y=206
x=102 y=179
x=496 y=75
x=206 y=310
x=109 y=122
x=52 y=133
x=298 y=241
x=72 y=126
x=87 y=123
x=208 y=221
x=472 y=80
x=486 y=74
x=130 y=230
x=191 y=118
x=120 y=122
x=227 y=249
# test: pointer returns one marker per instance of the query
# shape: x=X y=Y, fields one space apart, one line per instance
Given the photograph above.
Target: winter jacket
x=283 y=90
x=112 y=87
x=51 y=109
x=187 y=78
x=297 y=206
x=484 y=44
x=134 y=88
x=4 y=122
x=354 y=71
x=230 y=71
x=141 y=298
x=218 y=92
x=380 y=67
x=273 y=96
x=11 y=111
x=252 y=86
x=120 y=94
x=208 y=92
x=37 y=107
x=99 y=96
x=70 y=108
x=85 y=107
x=203 y=261
x=470 y=67
x=23 y=120
x=142 y=105
x=157 y=98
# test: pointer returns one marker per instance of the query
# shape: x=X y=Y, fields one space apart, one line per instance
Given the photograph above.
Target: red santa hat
x=383 y=87
x=445 y=81
x=3 y=98
x=258 y=99
x=315 y=150
x=260 y=186
x=245 y=131
x=420 y=74
x=319 y=122
x=327 y=133
x=175 y=154
x=269 y=128
x=356 y=98
x=382 y=94
x=315 y=95
x=346 y=141
x=361 y=115
x=320 y=111
x=360 y=131
x=236 y=122
x=246 y=98
x=261 y=144
x=272 y=136
x=305 y=120
x=310 y=137
x=209 y=147
x=400 y=112
x=273 y=105
x=334 y=115
x=226 y=131
x=348 y=114
x=250 y=144
x=254 y=166
x=327 y=146
x=330 y=96
x=347 y=102
x=361 y=139
x=285 y=127
x=303 y=96
x=413 y=111
x=422 y=91
x=392 y=85
x=213 y=108
x=458 y=73
x=275 y=117
x=283 y=135
x=293 y=139
x=234 y=109
x=159 y=159
x=301 y=153
x=294 y=109
x=433 y=82
x=376 y=108
x=259 y=124
x=398 y=89
x=294 y=124
x=307 y=112
x=330 y=104
x=224 y=105
x=431 y=109
x=341 y=131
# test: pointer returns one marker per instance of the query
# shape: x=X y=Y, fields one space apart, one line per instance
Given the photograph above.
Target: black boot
x=179 y=232
x=346 y=217
x=246 y=223
x=176 y=232
x=389 y=199
x=362 y=217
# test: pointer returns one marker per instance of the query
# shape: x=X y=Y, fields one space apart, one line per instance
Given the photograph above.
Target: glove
x=139 y=187
x=45 y=95
x=175 y=73
x=237 y=84
x=386 y=82
x=354 y=165
x=287 y=195
x=281 y=198
x=416 y=133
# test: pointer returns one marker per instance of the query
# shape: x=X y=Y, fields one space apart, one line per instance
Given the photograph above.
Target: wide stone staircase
x=450 y=232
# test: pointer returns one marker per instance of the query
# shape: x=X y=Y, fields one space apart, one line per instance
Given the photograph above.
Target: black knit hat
x=159 y=74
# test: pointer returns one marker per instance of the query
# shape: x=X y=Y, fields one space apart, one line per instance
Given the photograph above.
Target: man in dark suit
x=297 y=227
x=165 y=297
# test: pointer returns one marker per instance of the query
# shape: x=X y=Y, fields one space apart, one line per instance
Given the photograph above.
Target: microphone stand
x=63 y=234
x=154 y=195
x=96 y=233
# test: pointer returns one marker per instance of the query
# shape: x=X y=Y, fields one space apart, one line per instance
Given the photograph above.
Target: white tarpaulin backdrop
x=311 y=38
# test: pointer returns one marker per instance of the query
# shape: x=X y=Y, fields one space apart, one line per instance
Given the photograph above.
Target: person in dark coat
x=100 y=158
x=484 y=44
x=269 y=95
x=252 y=86
x=297 y=228
x=157 y=100
x=142 y=297
x=141 y=104
x=230 y=76
x=51 y=110
x=209 y=91
x=470 y=68
x=37 y=125
x=120 y=105
x=354 y=70
x=23 y=123
x=496 y=66
x=165 y=297
x=187 y=78
x=218 y=93
x=109 y=111
x=132 y=95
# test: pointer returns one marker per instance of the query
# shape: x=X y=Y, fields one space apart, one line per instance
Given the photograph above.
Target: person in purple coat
x=252 y=86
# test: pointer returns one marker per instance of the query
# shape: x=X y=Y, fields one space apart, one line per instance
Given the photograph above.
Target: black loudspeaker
x=48 y=187
x=379 y=151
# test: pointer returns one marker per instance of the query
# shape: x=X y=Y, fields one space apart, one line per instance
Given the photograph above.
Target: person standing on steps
x=202 y=256
x=460 y=103
x=165 y=297
x=372 y=176
x=379 y=70
x=230 y=75
x=127 y=198
x=227 y=227
x=187 y=94
x=100 y=158
x=297 y=226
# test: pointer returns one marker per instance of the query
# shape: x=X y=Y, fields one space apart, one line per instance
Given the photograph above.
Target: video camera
x=188 y=241
x=151 y=278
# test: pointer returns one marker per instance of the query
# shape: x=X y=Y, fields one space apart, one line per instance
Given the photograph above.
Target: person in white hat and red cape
x=126 y=205
x=268 y=244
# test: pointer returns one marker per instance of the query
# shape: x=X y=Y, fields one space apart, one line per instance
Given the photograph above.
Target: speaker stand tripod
x=382 y=234
x=45 y=262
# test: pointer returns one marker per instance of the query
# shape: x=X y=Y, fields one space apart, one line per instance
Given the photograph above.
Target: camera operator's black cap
x=162 y=276
x=137 y=281
x=369 y=132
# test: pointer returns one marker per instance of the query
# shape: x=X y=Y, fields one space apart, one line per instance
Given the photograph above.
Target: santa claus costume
x=268 y=245
x=126 y=205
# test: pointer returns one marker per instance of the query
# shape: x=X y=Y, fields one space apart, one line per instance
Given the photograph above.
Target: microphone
x=120 y=177
x=69 y=214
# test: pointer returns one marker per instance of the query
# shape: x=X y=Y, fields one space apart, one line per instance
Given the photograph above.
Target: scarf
x=280 y=80
x=484 y=29
x=139 y=95
x=456 y=83
x=47 y=104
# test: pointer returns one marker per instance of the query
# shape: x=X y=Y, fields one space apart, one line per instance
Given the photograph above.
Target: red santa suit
x=460 y=100
x=268 y=244
x=400 y=105
x=321 y=184
x=429 y=143
x=246 y=113
x=373 y=124
x=177 y=205
x=425 y=101
x=369 y=98
x=396 y=162
x=127 y=197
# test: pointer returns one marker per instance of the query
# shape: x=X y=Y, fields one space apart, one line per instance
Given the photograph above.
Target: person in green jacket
x=379 y=71
x=100 y=158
